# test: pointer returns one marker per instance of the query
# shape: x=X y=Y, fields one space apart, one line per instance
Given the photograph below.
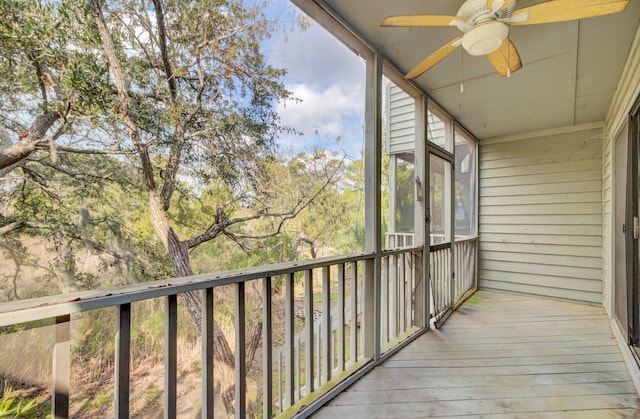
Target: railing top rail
x=60 y=305
x=397 y=251
x=467 y=239
x=440 y=246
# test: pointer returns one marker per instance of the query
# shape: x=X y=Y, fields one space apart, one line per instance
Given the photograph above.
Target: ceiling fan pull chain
x=461 y=70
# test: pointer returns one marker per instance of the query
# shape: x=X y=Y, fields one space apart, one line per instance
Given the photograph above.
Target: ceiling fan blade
x=434 y=58
x=563 y=10
x=422 y=20
x=506 y=59
x=496 y=6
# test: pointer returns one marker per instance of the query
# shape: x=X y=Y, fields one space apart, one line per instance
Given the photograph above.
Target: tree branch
x=222 y=223
x=28 y=140
x=44 y=145
x=16 y=225
x=164 y=51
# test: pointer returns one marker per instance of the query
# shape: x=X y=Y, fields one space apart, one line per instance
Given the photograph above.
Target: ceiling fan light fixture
x=485 y=38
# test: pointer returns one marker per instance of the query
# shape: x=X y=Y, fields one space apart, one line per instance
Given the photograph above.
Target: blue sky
x=329 y=80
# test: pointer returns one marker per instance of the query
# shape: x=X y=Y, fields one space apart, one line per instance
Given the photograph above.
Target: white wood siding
x=400 y=120
x=541 y=215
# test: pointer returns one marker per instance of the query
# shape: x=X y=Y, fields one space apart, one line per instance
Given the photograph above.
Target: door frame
x=632 y=230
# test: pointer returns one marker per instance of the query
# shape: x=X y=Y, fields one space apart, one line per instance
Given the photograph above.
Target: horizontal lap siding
x=541 y=216
x=401 y=125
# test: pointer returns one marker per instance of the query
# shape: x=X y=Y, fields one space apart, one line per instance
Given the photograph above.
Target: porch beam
x=373 y=219
x=422 y=211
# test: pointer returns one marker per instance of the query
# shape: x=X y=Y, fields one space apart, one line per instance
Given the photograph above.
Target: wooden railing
x=401 y=275
x=399 y=240
x=314 y=355
x=451 y=285
x=465 y=256
x=305 y=353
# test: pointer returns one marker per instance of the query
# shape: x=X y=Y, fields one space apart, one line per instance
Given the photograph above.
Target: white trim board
x=627 y=91
x=543 y=133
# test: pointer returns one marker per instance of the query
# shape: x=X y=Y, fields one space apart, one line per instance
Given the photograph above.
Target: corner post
x=373 y=213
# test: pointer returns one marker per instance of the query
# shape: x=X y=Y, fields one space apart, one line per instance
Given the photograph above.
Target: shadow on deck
x=501 y=355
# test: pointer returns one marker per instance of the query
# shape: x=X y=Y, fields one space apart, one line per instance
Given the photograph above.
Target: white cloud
x=328 y=78
x=324 y=115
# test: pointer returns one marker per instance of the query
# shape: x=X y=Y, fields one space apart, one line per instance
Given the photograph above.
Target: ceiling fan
x=485 y=26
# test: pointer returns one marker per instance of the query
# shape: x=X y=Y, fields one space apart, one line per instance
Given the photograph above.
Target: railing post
x=373 y=214
x=61 y=360
x=267 y=349
x=170 y=356
x=422 y=211
x=240 y=353
x=207 y=332
x=123 y=361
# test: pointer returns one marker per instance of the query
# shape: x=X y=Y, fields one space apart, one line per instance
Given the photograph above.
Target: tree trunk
x=177 y=249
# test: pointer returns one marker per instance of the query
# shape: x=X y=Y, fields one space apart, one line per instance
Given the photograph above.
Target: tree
x=178 y=89
x=52 y=81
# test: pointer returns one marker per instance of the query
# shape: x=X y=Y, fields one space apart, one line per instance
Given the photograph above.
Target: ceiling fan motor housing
x=485 y=38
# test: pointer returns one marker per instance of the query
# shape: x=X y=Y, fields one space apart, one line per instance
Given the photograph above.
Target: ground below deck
x=501 y=355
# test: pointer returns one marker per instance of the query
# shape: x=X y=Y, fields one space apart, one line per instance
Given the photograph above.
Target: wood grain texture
x=501 y=355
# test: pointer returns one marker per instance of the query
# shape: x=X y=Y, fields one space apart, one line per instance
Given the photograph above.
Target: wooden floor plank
x=372 y=383
x=501 y=355
x=492 y=407
x=487 y=352
x=382 y=396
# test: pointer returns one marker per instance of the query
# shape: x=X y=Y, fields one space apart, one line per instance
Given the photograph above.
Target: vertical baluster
x=409 y=290
x=207 y=332
x=317 y=350
x=240 y=353
x=308 y=327
x=407 y=285
x=298 y=369
x=327 y=359
x=280 y=378
x=401 y=292
x=443 y=279
x=393 y=298
x=61 y=359
x=170 y=355
x=289 y=319
x=451 y=276
x=457 y=272
x=438 y=258
x=267 y=349
x=353 y=343
x=412 y=287
x=123 y=361
x=384 y=315
x=341 y=326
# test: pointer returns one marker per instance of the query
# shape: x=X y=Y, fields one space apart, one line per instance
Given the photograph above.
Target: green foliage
x=212 y=123
x=9 y=407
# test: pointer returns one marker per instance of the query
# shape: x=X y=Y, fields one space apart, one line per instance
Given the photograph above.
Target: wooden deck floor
x=501 y=355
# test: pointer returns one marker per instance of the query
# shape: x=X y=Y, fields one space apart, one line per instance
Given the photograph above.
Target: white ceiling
x=569 y=75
